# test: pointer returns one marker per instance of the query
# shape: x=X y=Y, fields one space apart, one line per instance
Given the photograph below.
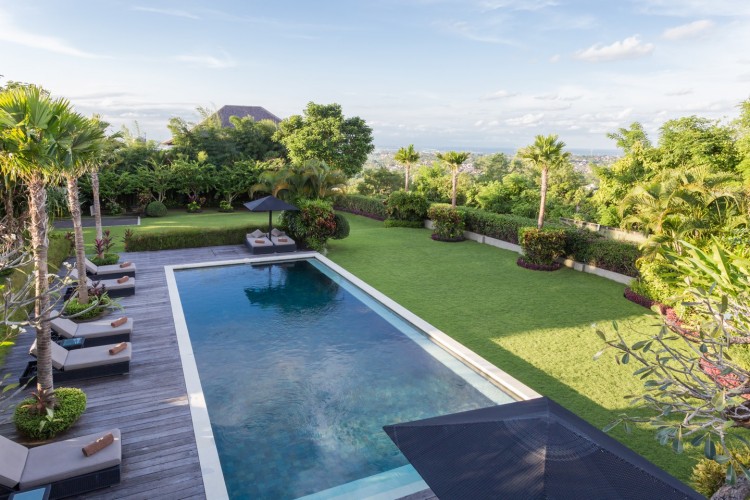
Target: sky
x=439 y=74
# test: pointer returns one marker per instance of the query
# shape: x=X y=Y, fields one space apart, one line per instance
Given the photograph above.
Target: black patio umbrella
x=528 y=449
x=269 y=204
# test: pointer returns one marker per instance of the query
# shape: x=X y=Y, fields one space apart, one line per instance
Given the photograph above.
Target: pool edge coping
x=208 y=455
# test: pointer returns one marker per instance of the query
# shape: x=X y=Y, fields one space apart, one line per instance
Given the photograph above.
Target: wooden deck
x=160 y=458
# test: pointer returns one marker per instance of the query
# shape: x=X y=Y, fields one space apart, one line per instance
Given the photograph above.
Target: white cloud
x=690 y=30
x=630 y=48
x=517 y=4
x=208 y=61
x=679 y=92
x=555 y=58
x=167 y=12
x=500 y=94
x=526 y=120
x=471 y=32
x=11 y=32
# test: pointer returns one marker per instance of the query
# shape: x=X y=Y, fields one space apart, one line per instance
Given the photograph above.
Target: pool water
x=301 y=370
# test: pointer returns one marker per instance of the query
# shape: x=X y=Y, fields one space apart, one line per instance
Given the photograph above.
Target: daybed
x=258 y=243
x=282 y=242
x=62 y=464
x=95 y=333
x=113 y=271
x=113 y=288
x=88 y=362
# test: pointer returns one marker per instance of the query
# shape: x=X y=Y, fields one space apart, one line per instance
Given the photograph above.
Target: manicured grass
x=534 y=325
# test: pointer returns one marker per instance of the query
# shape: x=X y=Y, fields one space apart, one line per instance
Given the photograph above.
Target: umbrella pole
x=270 y=216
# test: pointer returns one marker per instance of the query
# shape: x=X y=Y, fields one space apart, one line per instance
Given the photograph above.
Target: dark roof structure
x=532 y=449
x=257 y=112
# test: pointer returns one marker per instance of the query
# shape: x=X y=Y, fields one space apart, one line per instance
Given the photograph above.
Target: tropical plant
x=379 y=182
x=310 y=180
x=546 y=153
x=193 y=178
x=448 y=223
x=407 y=157
x=405 y=206
x=39 y=136
x=237 y=178
x=312 y=224
x=454 y=159
x=70 y=405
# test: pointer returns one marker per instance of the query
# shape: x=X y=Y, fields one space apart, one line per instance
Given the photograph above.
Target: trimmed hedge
x=156 y=209
x=402 y=205
x=448 y=222
x=415 y=224
x=188 y=238
x=362 y=205
x=501 y=226
x=542 y=247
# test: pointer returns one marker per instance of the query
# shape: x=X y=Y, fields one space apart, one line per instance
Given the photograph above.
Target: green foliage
x=105 y=260
x=312 y=224
x=448 y=222
x=542 y=247
x=499 y=226
x=80 y=312
x=592 y=248
x=312 y=179
x=363 y=205
x=322 y=133
x=342 y=227
x=416 y=224
x=407 y=206
x=378 y=182
x=225 y=206
x=454 y=159
x=71 y=403
x=546 y=154
x=156 y=209
x=193 y=178
x=169 y=239
x=407 y=157
x=709 y=475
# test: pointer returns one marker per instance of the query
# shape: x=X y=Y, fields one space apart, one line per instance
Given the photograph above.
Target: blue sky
x=437 y=73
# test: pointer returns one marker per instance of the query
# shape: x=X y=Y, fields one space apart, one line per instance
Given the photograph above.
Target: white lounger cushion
x=108 y=269
x=12 y=460
x=87 y=357
x=64 y=459
x=257 y=234
x=108 y=284
x=276 y=232
x=89 y=330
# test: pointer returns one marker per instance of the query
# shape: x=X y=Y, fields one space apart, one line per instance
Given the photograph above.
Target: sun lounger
x=95 y=333
x=61 y=464
x=282 y=242
x=88 y=362
x=258 y=243
x=113 y=288
x=113 y=271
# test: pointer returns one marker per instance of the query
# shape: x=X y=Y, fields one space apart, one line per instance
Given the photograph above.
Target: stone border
x=208 y=455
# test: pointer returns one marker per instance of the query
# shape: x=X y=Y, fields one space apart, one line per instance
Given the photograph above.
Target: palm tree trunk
x=75 y=214
x=406 y=178
x=97 y=205
x=543 y=200
x=39 y=222
x=454 y=179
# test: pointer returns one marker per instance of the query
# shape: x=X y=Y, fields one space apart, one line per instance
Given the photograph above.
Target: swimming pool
x=300 y=369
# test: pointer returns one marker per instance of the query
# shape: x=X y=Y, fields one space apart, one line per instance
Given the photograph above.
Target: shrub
x=225 y=206
x=417 y=224
x=105 y=260
x=613 y=255
x=501 y=226
x=71 y=403
x=156 y=209
x=362 y=205
x=409 y=206
x=312 y=224
x=74 y=308
x=170 y=239
x=194 y=207
x=342 y=227
x=115 y=208
x=542 y=247
x=448 y=222
x=708 y=475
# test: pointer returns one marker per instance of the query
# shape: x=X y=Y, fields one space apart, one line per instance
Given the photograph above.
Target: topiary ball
x=156 y=209
x=71 y=405
x=342 y=227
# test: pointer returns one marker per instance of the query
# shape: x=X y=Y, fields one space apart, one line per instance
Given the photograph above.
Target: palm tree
x=313 y=179
x=37 y=136
x=407 y=157
x=546 y=153
x=455 y=160
x=88 y=142
x=93 y=166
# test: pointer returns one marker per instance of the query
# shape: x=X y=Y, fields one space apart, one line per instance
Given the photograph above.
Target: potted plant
x=102 y=247
x=49 y=412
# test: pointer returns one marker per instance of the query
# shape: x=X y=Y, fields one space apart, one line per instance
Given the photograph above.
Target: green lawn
x=534 y=325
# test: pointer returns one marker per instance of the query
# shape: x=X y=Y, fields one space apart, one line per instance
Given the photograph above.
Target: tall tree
x=322 y=133
x=37 y=137
x=546 y=153
x=407 y=157
x=454 y=159
x=88 y=142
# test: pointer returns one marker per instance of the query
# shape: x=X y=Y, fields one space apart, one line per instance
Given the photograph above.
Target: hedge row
x=187 y=238
x=362 y=205
x=501 y=226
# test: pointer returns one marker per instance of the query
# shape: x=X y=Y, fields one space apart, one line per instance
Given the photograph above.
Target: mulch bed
x=538 y=267
x=447 y=240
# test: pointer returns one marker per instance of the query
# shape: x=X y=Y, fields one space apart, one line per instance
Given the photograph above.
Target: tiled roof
x=257 y=112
